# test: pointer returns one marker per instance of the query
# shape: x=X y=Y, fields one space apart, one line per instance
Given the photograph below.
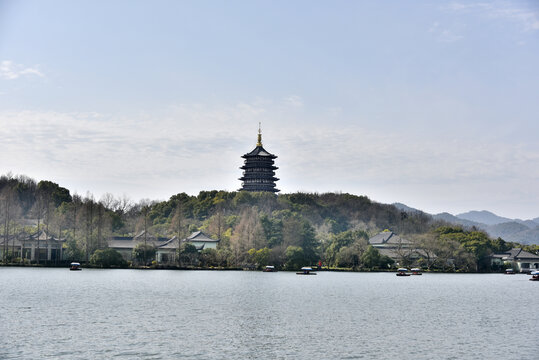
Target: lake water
x=162 y=314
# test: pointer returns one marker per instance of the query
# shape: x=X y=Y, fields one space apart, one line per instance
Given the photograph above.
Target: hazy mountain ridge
x=455 y=220
x=483 y=217
x=529 y=223
x=514 y=230
x=489 y=218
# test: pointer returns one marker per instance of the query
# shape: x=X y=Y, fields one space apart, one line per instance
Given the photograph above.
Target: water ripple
x=125 y=314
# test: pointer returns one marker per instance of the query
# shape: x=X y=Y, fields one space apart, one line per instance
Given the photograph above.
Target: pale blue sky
x=430 y=103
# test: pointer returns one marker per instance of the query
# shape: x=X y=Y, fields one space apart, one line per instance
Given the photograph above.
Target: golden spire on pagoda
x=259 y=143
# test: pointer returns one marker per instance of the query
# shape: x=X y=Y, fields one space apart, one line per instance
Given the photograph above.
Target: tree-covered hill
x=255 y=228
x=513 y=230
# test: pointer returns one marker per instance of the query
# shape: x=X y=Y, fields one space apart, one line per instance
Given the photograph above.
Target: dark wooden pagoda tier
x=259 y=170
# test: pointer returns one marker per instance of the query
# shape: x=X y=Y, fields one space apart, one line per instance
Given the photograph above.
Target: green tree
x=533 y=248
x=347 y=257
x=467 y=250
x=53 y=191
x=372 y=259
x=188 y=255
x=273 y=230
x=260 y=257
x=295 y=258
x=243 y=198
x=107 y=258
x=209 y=257
x=144 y=253
x=308 y=242
x=348 y=238
x=72 y=250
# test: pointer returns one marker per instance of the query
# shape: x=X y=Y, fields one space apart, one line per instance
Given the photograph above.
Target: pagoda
x=258 y=169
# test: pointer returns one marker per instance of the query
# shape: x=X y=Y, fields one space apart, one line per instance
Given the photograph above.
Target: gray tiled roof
x=260 y=151
x=169 y=244
x=388 y=238
x=161 y=242
x=200 y=236
x=516 y=254
x=130 y=243
x=42 y=236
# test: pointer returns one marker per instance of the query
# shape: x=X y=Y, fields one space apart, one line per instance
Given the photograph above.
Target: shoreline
x=184 y=268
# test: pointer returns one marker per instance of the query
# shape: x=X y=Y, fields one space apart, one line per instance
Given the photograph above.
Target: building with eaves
x=259 y=169
x=518 y=259
x=401 y=250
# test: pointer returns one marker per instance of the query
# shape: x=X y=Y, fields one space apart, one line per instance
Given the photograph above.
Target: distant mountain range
x=514 y=230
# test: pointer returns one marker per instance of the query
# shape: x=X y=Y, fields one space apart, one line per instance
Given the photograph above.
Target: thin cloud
x=198 y=147
x=528 y=19
x=183 y=145
x=294 y=100
x=10 y=70
x=444 y=35
x=372 y=156
x=448 y=36
x=188 y=135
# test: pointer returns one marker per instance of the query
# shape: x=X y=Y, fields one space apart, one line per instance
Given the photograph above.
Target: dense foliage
x=107 y=258
x=144 y=253
x=255 y=229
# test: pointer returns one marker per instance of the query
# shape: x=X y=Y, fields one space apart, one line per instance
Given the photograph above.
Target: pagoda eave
x=259 y=169
x=245 y=167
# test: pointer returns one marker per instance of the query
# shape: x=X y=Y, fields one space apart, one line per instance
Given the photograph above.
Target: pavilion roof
x=201 y=237
x=516 y=254
x=171 y=243
x=260 y=151
x=43 y=236
x=388 y=238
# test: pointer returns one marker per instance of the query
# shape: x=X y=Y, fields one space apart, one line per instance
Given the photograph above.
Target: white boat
x=416 y=271
x=535 y=276
x=402 y=272
x=306 y=270
x=74 y=266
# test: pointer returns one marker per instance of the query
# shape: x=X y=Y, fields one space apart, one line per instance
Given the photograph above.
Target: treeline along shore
x=250 y=230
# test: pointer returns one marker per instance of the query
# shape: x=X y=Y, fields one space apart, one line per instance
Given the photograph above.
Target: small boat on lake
x=74 y=266
x=402 y=272
x=509 y=272
x=270 y=268
x=306 y=270
x=416 y=271
x=535 y=276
